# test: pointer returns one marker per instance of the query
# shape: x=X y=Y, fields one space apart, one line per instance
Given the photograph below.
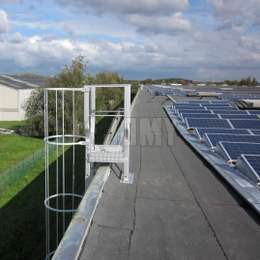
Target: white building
x=14 y=92
x=176 y=84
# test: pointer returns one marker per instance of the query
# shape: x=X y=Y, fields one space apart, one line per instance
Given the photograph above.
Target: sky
x=194 y=39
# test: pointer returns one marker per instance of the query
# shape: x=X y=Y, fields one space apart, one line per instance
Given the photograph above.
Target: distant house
x=176 y=84
x=201 y=84
x=14 y=92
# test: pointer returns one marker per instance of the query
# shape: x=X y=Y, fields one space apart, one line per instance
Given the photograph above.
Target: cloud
x=146 y=16
x=160 y=24
x=11 y=1
x=4 y=23
x=238 y=11
x=179 y=55
x=151 y=7
x=148 y=39
x=250 y=42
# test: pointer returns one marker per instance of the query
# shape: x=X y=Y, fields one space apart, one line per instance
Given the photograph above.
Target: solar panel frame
x=213 y=139
x=170 y=110
x=200 y=133
x=230 y=154
x=208 y=123
x=247 y=123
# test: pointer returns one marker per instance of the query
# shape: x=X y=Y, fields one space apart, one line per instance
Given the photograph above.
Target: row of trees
x=249 y=81
x=73 y=75
x=166 y=81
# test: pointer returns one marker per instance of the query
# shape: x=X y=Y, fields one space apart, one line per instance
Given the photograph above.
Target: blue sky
x=196 y=39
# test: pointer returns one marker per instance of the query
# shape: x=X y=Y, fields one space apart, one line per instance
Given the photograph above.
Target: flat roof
x=177 y=208
x=22 y=81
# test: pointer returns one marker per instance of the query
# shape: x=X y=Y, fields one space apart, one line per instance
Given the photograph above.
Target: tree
x=71 y=76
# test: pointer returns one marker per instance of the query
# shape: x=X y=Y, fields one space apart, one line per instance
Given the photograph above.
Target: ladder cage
x=70 y=116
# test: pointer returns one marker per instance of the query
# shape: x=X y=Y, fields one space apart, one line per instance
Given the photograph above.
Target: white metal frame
x=107 y=153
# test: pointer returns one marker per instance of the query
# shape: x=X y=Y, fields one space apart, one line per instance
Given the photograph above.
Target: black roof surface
x=177 y=208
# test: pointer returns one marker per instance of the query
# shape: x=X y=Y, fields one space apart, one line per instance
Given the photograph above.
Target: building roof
x=22 y=81
x=177 y=207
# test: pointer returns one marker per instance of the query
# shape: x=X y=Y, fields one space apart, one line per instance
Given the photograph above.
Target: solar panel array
x=230 y=131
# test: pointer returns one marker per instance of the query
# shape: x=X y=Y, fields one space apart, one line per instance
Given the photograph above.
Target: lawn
x=22 y=217
x=15 y=148
x=12 y=124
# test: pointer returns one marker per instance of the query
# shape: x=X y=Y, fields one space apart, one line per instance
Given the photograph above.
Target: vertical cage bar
x=46 y=134
x=73 y=147
x=93 y=118
x=63 y=163
x=127 y=113
x=57 y=166
x=87 y=133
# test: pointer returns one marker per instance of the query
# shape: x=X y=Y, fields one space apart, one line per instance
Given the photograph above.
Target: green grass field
x=22 y=232
x=12 y=124
x=15 y=148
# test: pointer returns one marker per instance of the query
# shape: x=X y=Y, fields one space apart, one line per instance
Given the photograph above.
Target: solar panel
x=224 y=111
x=255 y=132
x=218 y=106
x=199 y=101
x=182 y=110
x=192 y=111
x=201 y=131
x=251 y=167
x=221 y=108
x=254 y=112
x=245 y=124
x=231 y=150
x=231 y=116
x=220 y=102
x=207 y=123
x=213 y=139
x=188 y=106
x=196 y=115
